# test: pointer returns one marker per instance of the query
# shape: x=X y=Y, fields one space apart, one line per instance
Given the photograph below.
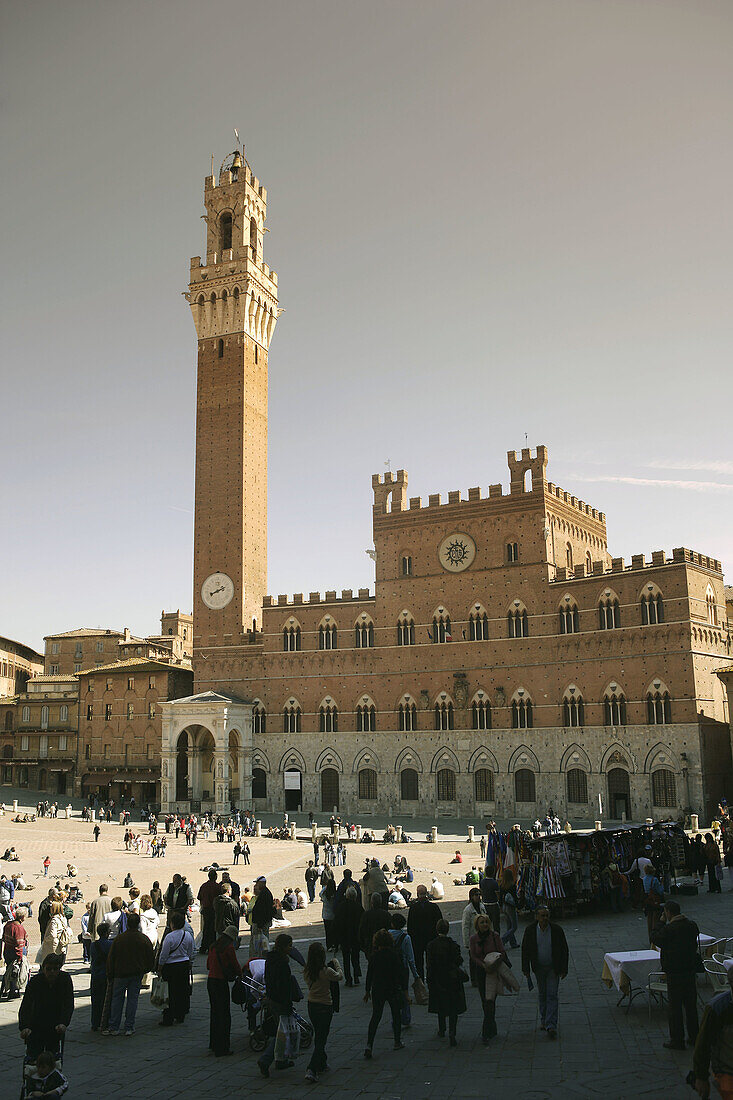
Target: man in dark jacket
x=374 y=918
x=263 y=910
x=279 y=992
x=178 y=897
x=209 y=891
x=677 y=939
x=422 y=918
x=346 y=926
x=46 y=1008
x=545 y=951
x=347 y=881
x=226 y=910
x=490 y=897
x=130 y=958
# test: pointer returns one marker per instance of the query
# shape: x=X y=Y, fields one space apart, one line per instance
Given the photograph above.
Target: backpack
x=122 y=921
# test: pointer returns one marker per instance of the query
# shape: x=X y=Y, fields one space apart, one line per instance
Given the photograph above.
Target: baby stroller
x=29 y=1070
x=263 y=1023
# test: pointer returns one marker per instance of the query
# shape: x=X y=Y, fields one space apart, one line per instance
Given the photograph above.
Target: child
x=47 y=1080
x=46 y=864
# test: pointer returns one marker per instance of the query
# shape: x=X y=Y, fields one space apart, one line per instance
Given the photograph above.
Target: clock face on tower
x=456 y=552
x=217 y=591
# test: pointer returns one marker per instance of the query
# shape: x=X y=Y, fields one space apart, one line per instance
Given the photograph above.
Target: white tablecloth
x=626 y=968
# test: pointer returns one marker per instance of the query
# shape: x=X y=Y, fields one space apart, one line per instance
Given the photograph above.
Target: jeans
x=311 y=891
x=547 y=986
x=120 y=987
x=98 y=987
x=510 y=912
x=682 y=994
x=452 y=1022
x=394 y=1000
x=320 y=1017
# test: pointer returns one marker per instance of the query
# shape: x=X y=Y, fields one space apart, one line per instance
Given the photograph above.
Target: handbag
x=159 y=992
x=287 y=1039
x=239 y=992
x=719 y=871
x=420 y=992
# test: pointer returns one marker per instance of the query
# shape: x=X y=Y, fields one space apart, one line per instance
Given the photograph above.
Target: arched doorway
x=329 y=790
x=182 y=783
x=619 y=794
x=293 y=784
x=259 y=783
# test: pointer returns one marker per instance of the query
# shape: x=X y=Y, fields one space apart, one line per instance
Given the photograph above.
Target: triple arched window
x=366 y=718
x=441 y=631
x=658 y=707
x=518 y=622
x=609 y=613
x=478 y=626
x=712 y=612
x=406 y=630
x=444 y=715
x=614 y=708
x=652 y=608
x=291 y=639
x=522 y=717
x=259 y=719
x=481 y=713
x=327 y=636
x=573 y=709
x=328 y=718
x=292 y=718
x=407 y=716
x=569 y=618
x=364 y=635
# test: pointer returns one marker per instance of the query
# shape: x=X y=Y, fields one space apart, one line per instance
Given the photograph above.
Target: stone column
x=434 y=834
x=292 y=830
x=314 y=832
x=398 y=831
x=245 y=778
x=194 y=772
x=221 y=782
x=258 y=828
x=470 y=834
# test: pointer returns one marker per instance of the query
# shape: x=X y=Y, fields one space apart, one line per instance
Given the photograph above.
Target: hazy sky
x=488 y=219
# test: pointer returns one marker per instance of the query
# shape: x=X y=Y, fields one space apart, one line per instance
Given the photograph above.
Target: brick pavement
x=600 y=1050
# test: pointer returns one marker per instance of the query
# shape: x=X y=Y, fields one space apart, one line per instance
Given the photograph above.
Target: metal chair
x=717 y=975
x=718 y=957
x=716 y=947
x=656 y=987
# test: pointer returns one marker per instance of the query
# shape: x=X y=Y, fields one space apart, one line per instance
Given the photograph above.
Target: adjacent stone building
x=18 y=663
x=505 y=661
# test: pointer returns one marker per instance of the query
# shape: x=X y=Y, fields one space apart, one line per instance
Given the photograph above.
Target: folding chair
x=656 y=987
x=717 y=975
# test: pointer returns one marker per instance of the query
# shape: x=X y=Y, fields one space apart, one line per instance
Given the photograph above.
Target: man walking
x=15 y=948
x=96 y=830
x=311 y=878
x=245 y=853
x=178 y=897
x=677 y=939
x=130 y=958
x=98 y=910
x=237 y=853
x=422 y=918
x=226 y=910
x=545 y=951
x=263 y=912
x=208 y=893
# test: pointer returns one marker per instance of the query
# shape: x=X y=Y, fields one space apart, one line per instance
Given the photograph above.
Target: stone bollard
x=69 y=811
x=597 y=824
x=694 y=823
x=358 y=833
x=15 y=805
x=292 y=830
x=398 y=830
x=470 y=834
x=258 y=828
x=434 y=835
x=314 y=832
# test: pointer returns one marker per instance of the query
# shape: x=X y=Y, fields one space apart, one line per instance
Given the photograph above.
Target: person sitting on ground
x=128 y=881
x=457 y=858
x=301 y=899
x=290 y=901
x=437 y=890
x=396 y=899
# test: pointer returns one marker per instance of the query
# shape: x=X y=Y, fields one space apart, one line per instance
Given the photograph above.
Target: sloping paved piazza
x=601 y=1050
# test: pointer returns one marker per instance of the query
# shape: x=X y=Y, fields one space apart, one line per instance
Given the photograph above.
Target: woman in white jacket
x=57 y=937
x=149 y=920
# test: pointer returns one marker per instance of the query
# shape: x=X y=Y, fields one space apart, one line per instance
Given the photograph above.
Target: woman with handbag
x=223 y=968
x=484 y=942
x=319 y=979
x=57 y=937
x=445 y=975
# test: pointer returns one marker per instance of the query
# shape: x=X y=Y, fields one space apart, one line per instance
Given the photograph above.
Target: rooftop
x=86 y=631
x=129 y=664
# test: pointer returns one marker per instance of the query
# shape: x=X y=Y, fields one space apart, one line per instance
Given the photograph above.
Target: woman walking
x=386 y=983
x=485 y=941
x=223 y=967
x=712 y=862
x=57 y=937
x=328 y=894
x=149 y=921
x=446 y=997
x=318 y=978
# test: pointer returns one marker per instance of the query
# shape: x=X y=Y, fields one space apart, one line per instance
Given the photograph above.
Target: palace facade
x=504 y=662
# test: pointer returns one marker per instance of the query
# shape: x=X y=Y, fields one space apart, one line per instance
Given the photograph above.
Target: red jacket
x=228 y=959
x=14 y=940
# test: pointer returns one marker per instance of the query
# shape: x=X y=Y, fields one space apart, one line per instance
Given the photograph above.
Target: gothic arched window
x=328 y=718
x=481 y=714
x=522 y=717
x=444 y=715
x=573 y=709
x=518 y=622
x=652 y=608
x=253 y=237
x=569 y=618
x=658 y=708
x=609 y=613
x=364 y=635
x=407 y=712
x=366 y=718
x=225 y=232
x=291 y=718
x=327 y=636
x=478 y=626
x=291 y=639
x=614 y=708
x=406 y=631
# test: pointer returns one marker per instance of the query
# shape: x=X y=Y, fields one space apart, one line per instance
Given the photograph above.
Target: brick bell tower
x=233 y=299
